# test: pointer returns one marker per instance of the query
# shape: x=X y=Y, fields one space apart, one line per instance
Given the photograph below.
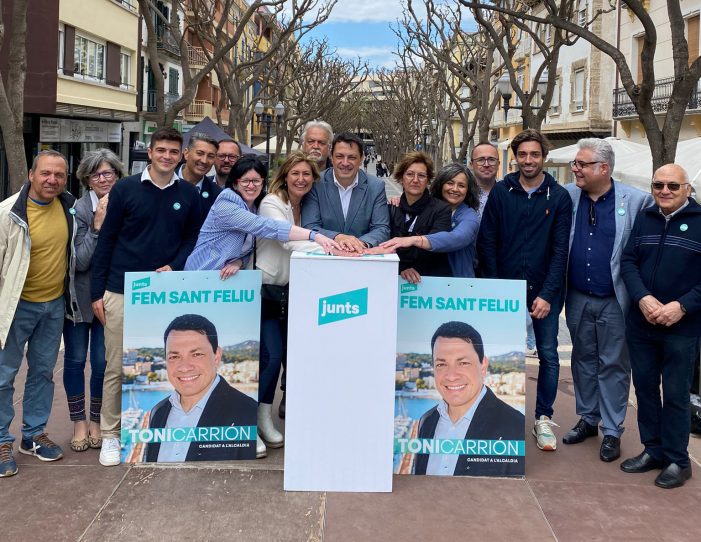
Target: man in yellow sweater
x=36 y=271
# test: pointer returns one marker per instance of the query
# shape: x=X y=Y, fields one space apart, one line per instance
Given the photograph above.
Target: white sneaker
x=543 y=432
x=110 y=452
x=531 y=353
x=261 y=450
x=271 y=436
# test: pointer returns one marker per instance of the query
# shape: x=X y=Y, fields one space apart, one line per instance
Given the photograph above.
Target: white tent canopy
x=273 y=143
x=634 y=161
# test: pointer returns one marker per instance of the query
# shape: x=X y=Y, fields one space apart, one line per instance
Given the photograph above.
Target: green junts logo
x=141 y=283
x=408 y=287
x=343 y=306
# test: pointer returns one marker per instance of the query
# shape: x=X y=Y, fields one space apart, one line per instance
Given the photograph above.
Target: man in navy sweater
x=152 y=224
x=524 y=234
x=661 y=268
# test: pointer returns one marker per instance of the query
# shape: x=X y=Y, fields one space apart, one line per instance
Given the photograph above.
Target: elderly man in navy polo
x=661 y=267
x=597 y=300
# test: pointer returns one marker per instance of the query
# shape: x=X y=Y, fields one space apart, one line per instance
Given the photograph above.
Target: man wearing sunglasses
x=597 y=300
x=661 y=268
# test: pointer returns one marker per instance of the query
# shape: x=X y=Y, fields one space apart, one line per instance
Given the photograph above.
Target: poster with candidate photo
x=460 y=382
x=190 y=366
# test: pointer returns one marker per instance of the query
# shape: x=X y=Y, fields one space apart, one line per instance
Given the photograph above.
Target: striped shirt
x=227 y=233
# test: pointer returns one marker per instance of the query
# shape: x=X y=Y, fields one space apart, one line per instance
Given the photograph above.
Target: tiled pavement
x=567 y=495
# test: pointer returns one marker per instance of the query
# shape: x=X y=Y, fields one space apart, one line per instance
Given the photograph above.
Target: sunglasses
x=673 y=187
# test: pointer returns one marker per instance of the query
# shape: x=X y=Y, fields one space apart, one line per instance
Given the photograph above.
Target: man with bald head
x=661 y=268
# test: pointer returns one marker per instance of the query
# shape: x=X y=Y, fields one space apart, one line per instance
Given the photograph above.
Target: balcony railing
x=170 y=97
x=196 y=56
x=196 y=110
x=165 y=42
x=623 y=105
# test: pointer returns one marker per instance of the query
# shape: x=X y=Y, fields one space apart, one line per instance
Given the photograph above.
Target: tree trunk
x=12 y=93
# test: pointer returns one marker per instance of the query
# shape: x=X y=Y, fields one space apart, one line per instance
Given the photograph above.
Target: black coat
x=664 y=260
x=434 y=218
x=226 y=406
x=493 y=420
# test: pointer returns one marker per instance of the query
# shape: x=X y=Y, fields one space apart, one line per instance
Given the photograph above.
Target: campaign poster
x=460 y=381
x=190 y=366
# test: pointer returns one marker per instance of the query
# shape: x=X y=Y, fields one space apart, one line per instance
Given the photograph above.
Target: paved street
x=568 y=495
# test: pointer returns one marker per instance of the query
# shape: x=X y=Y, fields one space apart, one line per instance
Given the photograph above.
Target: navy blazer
x=210 y=191
x=493 y=420
x=368 y=215
x=226 y=406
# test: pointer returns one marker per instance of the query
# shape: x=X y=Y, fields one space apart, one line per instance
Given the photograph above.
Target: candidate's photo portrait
x=190 y=376
x=460 y=379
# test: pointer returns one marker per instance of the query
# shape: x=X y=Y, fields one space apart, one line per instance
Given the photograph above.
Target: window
x=61 y=48
x=582 y=13
x=555 y=101
x=173 y=80
x=519 y=81
x=89 y=58
x=639 y=41
x=692 y=28
x=124 y=69
x=578 y=97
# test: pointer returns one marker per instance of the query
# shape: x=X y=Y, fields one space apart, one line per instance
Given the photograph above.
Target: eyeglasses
x=579 y=165
x=249 y=182
x=106 y=175
x=673 y=187
x=229 y=157
x=491 y=161
x=412 y=175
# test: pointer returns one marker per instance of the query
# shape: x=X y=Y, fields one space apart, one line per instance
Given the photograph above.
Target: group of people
x=624 y=265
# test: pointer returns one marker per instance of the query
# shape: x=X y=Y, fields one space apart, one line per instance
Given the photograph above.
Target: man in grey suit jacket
x=597 y=300
x=347 y=204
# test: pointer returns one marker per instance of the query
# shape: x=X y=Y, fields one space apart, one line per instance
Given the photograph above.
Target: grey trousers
x=600 y=361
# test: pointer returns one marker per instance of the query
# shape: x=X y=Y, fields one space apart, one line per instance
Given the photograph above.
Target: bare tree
x=563 y=16
x=313 y=83
x=12 y=91
x=463 y=62
x=209 y=21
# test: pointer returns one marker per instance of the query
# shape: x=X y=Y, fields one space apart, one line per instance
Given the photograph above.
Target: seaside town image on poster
x=190 y=366
x=460 y=378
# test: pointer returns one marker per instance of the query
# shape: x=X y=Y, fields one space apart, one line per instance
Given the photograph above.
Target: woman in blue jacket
x=455 y=185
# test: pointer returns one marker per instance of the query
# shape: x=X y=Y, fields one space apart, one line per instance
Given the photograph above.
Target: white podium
x=339 y=424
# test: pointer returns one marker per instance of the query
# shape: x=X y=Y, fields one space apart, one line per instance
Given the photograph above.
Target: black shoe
x=673 y=476
x=610 y=448
x=281 y=408
x=579 y=432
x=643 y=462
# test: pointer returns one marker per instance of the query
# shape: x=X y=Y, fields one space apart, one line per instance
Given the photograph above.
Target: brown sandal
x=95 y=442
x=79 y=445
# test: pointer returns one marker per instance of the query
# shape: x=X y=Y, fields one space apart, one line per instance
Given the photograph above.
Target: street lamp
x=504 y=88
x=266 y=120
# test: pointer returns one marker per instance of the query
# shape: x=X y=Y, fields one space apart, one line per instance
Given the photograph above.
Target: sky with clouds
x=361 y=28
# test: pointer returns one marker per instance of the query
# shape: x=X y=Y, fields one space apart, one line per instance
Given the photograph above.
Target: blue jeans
x=76 y=339
x=530 y=336
x=664 y=422
x=273 y=349
x=39 y=325
x=546 y=330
